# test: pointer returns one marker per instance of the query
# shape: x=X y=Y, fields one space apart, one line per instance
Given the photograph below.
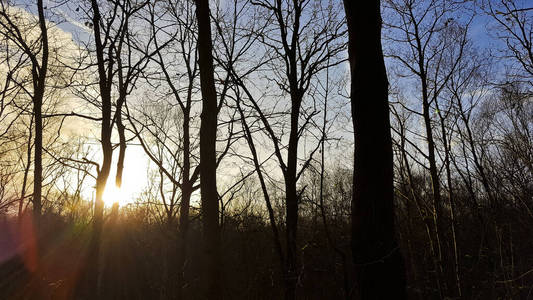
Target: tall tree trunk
x=290 y=174
x=93 y=259
x=39 y=79
x=208 y=131
x=378 y=262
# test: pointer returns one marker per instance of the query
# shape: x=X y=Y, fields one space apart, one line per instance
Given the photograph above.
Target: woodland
x=266 y=149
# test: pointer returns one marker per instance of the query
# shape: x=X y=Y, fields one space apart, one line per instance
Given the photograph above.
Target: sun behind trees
x=315 y=149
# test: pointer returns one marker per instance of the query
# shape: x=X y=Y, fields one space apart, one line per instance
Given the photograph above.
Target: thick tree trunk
x=378 y=261
x=208 y=131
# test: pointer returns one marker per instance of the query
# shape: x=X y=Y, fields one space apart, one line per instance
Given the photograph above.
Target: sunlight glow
x=113 y=194
x=134 y=180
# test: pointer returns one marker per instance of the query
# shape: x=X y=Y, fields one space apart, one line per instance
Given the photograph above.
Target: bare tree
x=293 y=62
x=37 y=52
x=208 y=158
x=427 y=43
x=117 y=71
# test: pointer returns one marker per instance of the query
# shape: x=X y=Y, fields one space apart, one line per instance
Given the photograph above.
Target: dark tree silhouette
x=39 y=66
x=39 y=78
x=294 y=64
x=111 y=41
x=208 y=158
x=376 y=254
x=104 y=83
x=166 y=133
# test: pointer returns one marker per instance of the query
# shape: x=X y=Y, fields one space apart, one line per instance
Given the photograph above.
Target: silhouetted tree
x=111 y=42
x=208 y=158
x=428 y=45
x=38 y=55
x=376 y=254
x=294 y=64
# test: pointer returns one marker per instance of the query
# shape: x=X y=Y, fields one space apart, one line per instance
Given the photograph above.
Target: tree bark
x=378 y=262
x=208 y=131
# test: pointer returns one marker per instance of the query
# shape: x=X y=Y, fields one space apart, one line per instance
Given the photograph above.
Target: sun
x=134 y=180
x=113 y=194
